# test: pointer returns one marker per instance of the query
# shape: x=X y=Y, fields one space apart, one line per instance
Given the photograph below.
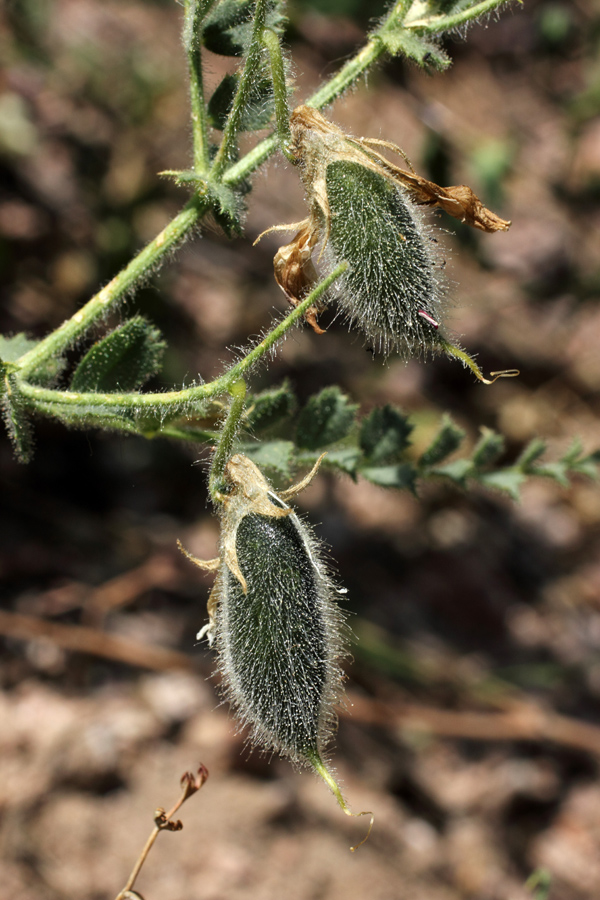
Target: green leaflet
x=227 y=29
x=326 y=419
x=123 y=360
x=384 y=435
x=11 y=348
x=447 y=440
x=268 y=409
x=258 y=111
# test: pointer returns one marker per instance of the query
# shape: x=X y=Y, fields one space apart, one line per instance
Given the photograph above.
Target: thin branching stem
x=107 y=299
x=245 y=87
x=97 y=405
x=164 y=822
x=194 y=13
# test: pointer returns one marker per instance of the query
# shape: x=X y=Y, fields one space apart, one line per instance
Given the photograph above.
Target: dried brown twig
x=163 y=822
x=524 y=721
x=81 y=639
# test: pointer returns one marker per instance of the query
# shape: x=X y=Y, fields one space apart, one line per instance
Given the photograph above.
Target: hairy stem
x=227 y=439
x=107 y=299
x=194 y=13
x=99 y=406
x=246 y=83
x=280 y=92
x=440 y=24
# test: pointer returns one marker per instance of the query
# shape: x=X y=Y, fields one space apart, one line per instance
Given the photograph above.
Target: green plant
x=104 y=389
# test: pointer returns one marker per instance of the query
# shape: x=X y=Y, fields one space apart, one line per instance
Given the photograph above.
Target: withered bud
x=192 y=783
x=295 y=272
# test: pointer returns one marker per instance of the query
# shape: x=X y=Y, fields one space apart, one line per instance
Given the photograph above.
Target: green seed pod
x=275 y=621
x=393 y=289
x=279 y=641
x=366 y=211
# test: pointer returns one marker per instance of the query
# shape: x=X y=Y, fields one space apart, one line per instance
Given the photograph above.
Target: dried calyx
x=367 y=211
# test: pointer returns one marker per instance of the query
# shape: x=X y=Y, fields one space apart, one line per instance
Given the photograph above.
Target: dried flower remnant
x=365 y=210
x=275 y=621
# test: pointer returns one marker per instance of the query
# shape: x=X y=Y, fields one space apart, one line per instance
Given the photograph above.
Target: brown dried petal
x=294 y=270
x=458 y=201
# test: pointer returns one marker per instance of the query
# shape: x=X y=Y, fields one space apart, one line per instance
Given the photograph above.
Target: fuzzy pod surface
x=278 y=643
x=274 y=618
x=392 y=289
x=366 y=212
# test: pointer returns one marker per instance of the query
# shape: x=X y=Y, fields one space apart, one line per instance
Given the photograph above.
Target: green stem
x=251 y=161
x=193 y=16
x=245 y=86
x=364 y=59
x=227 y=439
x=105 y=300
x=373 y=50
x=324 y=773
x=99 y=405
x=153 y=254
x=280 y=92
x=439 y=24
x=196 y=435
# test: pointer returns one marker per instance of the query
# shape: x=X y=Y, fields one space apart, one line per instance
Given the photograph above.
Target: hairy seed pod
x=392 y=290
x=367 y=212
x=279 y=641
x=275 y=621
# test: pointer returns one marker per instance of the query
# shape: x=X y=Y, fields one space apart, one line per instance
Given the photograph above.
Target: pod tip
x=324 y=773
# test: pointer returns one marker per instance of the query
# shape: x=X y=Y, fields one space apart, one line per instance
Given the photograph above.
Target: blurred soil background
x=475 y=685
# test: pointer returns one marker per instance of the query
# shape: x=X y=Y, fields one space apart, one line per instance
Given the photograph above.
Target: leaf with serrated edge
x=13 y=348
x=489 y=447
x=345 y=459
x=507 y=480
x=269 y=408
x=384 y=434
x=447 y=440
x=326 y=419
x=530 y=454
x=458 y=470
x=400 y=476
